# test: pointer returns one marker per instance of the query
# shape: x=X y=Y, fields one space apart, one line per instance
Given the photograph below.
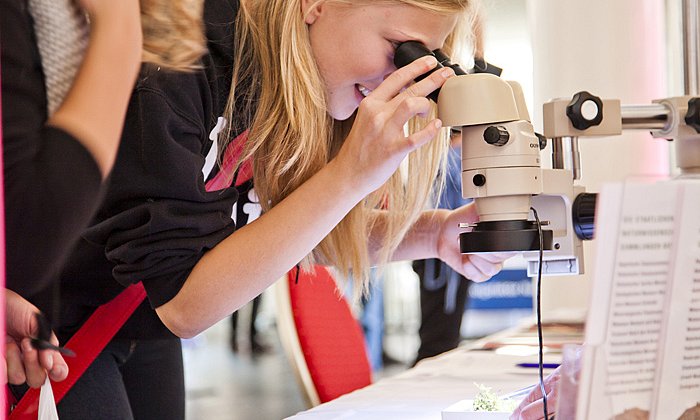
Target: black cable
x=539 y=314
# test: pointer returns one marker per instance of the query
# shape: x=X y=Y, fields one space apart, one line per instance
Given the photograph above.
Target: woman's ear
x=311 y=10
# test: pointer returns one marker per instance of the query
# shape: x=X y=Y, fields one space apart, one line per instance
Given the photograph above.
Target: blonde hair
x=173 y=33
x=292 y=136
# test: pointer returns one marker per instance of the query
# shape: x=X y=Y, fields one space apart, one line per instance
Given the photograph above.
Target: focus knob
x=542 y=140
x=692 y=118
x=585 y=110
x=496 y=135
x=583 y=215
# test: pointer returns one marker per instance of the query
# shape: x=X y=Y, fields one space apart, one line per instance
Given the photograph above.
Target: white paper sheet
x=640 y=231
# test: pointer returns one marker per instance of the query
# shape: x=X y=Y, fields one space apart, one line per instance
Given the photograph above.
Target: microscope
x=502 y=169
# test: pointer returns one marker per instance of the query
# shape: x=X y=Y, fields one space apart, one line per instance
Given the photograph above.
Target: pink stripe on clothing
x=225 y=176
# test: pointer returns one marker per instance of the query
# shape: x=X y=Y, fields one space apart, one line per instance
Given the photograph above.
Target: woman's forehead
x=411 y=23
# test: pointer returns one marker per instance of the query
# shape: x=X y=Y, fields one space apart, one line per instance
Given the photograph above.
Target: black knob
x=496 y=135
x=583 y=215
x=585 y=110
x=692 y=117
x=542 y=139
x=479 y=180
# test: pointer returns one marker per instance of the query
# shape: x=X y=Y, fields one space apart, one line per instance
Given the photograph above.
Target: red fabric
x=330 y=337
x=87 y=343
x=223 y=179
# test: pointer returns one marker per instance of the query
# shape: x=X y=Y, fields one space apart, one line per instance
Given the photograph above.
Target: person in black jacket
x=60 y=139
x=264 y=128
x=54 y=166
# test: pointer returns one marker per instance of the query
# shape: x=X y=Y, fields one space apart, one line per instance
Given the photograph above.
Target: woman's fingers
x=402 y=77
x=15 y=367
x=532 y=407
x=496 y=257
x=59 y=370
x=487 y=264
x=470 y=271
x=486 y=267
x=418 y=139
x=399 y=85
x=428 y=85
x=408 y=108
x=535 y=410
x=35 y=373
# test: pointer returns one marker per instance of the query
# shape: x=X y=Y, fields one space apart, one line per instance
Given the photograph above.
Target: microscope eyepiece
x=445 y=61
x=408 y=52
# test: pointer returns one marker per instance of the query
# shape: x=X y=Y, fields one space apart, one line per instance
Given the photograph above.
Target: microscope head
x=501 y=171
x=480 y=99
x=500 y=161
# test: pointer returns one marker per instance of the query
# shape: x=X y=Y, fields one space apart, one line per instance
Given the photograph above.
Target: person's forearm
x=257 y=255
x=420 y=241
x=94 y=109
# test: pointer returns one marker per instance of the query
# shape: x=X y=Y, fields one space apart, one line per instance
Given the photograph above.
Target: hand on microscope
x=476 y=267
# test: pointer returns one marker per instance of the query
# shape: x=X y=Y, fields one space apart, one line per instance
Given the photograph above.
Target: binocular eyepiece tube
x=409 y=51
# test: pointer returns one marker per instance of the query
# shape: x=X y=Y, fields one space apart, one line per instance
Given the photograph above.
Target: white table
x=424 y=391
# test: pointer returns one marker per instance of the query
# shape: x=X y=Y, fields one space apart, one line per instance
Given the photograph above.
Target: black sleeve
x=52 y=183
x=157 y=220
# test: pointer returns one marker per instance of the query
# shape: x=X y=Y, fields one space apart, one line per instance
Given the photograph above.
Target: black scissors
x=43 y=339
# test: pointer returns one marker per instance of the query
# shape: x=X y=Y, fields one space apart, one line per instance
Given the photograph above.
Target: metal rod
x=557 y=153
x=575 y=158
x=645 y=117
x=691 y=46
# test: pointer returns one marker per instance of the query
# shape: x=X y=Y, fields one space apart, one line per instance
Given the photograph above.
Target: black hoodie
x=157 y=219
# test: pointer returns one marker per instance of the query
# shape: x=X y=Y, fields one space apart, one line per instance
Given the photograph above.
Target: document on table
x=678 y=373
x=647 y=236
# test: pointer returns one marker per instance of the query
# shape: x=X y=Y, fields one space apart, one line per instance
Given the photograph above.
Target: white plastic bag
x=47 y=405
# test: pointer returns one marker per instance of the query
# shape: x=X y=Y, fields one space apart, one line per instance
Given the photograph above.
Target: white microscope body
x=502 y=172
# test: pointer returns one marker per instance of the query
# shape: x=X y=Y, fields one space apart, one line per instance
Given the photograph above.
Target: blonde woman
x=61 y=124
x=271 y=108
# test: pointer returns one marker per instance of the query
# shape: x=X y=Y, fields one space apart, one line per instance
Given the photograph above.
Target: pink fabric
x=225 y=176
x=330 y=337
x=3 y=401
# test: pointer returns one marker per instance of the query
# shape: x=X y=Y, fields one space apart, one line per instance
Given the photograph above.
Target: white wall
x=613 y=49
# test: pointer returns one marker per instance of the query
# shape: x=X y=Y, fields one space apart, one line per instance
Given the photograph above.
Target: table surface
x=424 y=391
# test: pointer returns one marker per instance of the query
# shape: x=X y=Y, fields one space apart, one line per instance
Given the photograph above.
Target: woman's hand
x=24 y=362
x=532 y=407
x=476 y=267
x=377 y=143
